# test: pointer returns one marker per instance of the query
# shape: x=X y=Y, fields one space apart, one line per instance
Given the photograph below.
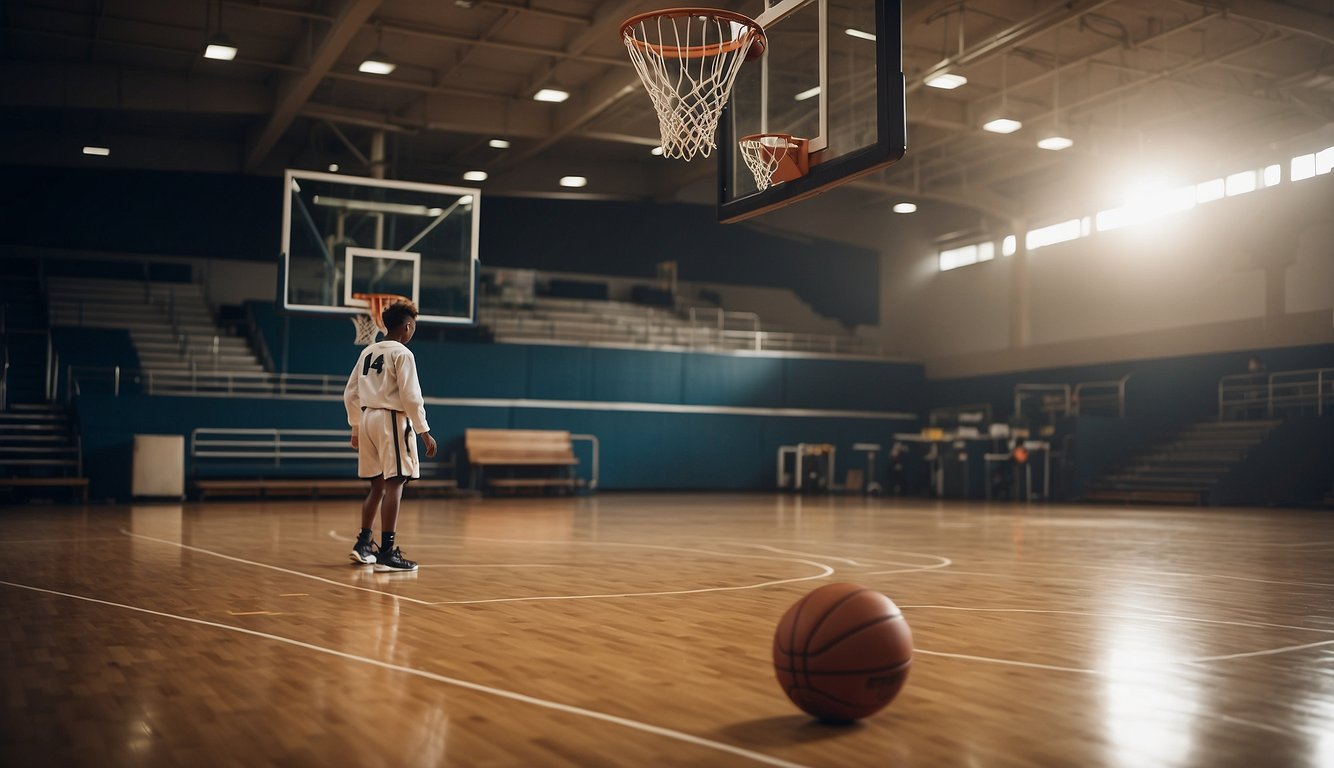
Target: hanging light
x=219 y=47
x=376 y=62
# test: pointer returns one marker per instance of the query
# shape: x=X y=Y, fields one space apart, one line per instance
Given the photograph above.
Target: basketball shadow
x=788 y=729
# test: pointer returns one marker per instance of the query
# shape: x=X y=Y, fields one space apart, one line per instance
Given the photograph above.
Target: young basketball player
x=386 y=411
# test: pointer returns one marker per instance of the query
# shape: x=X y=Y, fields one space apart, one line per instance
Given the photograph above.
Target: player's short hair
x=398 y=313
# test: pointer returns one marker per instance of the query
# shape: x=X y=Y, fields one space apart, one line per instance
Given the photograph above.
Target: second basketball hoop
x=775 y=158
x=688 y=59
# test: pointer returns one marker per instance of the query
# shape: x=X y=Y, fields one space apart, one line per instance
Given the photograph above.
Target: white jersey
x=385 y=377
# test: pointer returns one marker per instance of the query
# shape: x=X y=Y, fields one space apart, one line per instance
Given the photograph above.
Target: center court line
x=699 y=741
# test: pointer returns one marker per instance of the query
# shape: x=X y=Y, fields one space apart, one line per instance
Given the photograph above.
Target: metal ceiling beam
x=294 y=91
x=1289 y=18
x=1044 y=21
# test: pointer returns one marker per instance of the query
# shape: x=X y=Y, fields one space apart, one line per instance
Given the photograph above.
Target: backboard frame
x=352 y=306
x=823 y=175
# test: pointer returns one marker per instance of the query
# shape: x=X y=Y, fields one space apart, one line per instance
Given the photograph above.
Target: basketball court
x=637 y=630
x=632 y=622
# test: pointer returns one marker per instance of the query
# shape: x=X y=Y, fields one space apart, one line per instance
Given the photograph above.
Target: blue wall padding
x=638 y=449
x=560 y=373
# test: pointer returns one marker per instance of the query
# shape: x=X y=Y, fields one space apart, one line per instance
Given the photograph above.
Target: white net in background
x=688 y=60
x=366 y=330
x=763 y=153
x=370 y=324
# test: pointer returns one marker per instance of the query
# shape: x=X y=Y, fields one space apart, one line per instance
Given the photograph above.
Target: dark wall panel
x=240 y=217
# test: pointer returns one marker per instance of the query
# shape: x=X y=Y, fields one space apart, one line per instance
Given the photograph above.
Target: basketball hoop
x=688 y=59
x=369 y=324
x=775 y=158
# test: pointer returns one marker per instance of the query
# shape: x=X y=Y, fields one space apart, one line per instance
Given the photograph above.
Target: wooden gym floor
x=635 y=630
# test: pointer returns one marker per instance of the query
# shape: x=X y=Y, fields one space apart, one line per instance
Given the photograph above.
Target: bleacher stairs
x=39 y=448
x=1185 y=467
x=171 y=324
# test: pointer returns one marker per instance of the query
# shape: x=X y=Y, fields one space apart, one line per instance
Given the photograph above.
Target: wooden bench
x=534 y=458
x=282 y=462
x=79 y=484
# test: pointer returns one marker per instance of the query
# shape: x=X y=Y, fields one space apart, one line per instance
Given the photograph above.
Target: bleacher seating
x=549 y=320
x=171 y=324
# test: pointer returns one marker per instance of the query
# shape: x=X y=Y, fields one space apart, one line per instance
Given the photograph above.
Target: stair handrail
x=1022 y=389
x=1082 y=400
x=1287 y=388
x=1245 y=394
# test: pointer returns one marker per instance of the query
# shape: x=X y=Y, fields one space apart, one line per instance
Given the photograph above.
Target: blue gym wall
x=661 y=417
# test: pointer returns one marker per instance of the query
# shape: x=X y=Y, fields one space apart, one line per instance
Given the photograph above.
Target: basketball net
x=688 y=59
x=774 y=158
x=370 y=325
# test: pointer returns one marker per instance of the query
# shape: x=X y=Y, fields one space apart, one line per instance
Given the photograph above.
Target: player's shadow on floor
x=788 y=729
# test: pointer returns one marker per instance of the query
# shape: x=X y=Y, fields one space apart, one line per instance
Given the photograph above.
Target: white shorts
x=386 y=445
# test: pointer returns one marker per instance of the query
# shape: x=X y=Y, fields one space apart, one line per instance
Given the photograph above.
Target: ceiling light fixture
x=474 y=175
x=1002 y=125
x=219 y=46
x=333 y=167
x=946 y=81
x=99 y=151
x=376 y=63
x=1056 y=142
x=859 y=34
x=656 y=151
x=905 y=208
x=498 y=144
x=808 y=93
x=553 y=95
x=573 y=181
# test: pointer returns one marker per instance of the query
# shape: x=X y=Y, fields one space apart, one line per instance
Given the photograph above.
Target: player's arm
x=352 y=401
x=414 y=405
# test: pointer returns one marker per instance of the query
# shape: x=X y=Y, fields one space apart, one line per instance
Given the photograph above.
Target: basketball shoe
x=364 y=554
x=393 y=560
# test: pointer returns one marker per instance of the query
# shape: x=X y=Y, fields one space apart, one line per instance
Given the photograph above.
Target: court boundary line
x=1113 y=615
x=523 y=698
x=828 y=571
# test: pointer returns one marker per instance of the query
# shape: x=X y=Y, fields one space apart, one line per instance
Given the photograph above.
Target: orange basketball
x=842 y=652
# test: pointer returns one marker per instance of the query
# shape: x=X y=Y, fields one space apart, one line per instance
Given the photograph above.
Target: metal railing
x=1103 y=398
x=723 y=319
x=233 y=447
x=646 y=332
x=701 y=329
x=85 y=379
x=1051 y=401
x=1282 y=393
